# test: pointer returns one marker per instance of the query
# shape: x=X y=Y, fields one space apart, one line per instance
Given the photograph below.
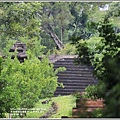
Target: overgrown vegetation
x=104 y=57
x=39 y=26
x=67 y=50
x=23 y=84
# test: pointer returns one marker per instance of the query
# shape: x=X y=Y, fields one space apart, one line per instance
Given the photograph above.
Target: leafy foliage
x=104 y=56
x=22 y=21
x=9 y=94
x=85 y=15
x=19 y=20
x=68 y=49
x=22 y=84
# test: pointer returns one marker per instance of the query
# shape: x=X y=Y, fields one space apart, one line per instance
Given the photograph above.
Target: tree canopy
x=18 y=21
x=102 y=52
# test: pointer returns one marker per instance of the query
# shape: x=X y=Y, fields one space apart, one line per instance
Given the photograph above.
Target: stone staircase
x=75 y=78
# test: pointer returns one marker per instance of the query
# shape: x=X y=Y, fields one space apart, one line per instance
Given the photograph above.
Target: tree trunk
x=49 y=31
x=61 y=34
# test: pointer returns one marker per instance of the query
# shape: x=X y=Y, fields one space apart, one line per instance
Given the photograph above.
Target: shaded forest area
x=52 y=24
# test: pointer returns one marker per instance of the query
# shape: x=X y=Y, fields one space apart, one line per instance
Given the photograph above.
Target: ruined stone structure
x=20 y=48
x=85 y=107
x=75 y=78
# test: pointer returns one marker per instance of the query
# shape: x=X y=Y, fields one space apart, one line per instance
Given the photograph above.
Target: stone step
x=67 y=59
x=77 y=80
x=75 y=72
x=62 y=93
x=77 y=77
x=74 y=75
x=78 y=83
x=71 y=65
x=72 y=60
x=72 y=87
x=67 y=62
x=70 y=68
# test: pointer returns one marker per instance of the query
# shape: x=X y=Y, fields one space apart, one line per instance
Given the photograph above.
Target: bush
x=68 y=49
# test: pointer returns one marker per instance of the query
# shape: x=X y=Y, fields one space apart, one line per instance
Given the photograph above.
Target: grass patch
x=64 y=103
x=39 y=105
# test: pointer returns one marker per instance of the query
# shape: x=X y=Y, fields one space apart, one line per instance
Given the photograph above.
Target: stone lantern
x=20 y=48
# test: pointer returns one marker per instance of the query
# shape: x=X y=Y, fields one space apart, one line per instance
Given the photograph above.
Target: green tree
x=23 y=84
x=55 y=19
x=104 y=57
x=9 y=94
x=19 y=20
x=113 y=13
x=85 y=15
